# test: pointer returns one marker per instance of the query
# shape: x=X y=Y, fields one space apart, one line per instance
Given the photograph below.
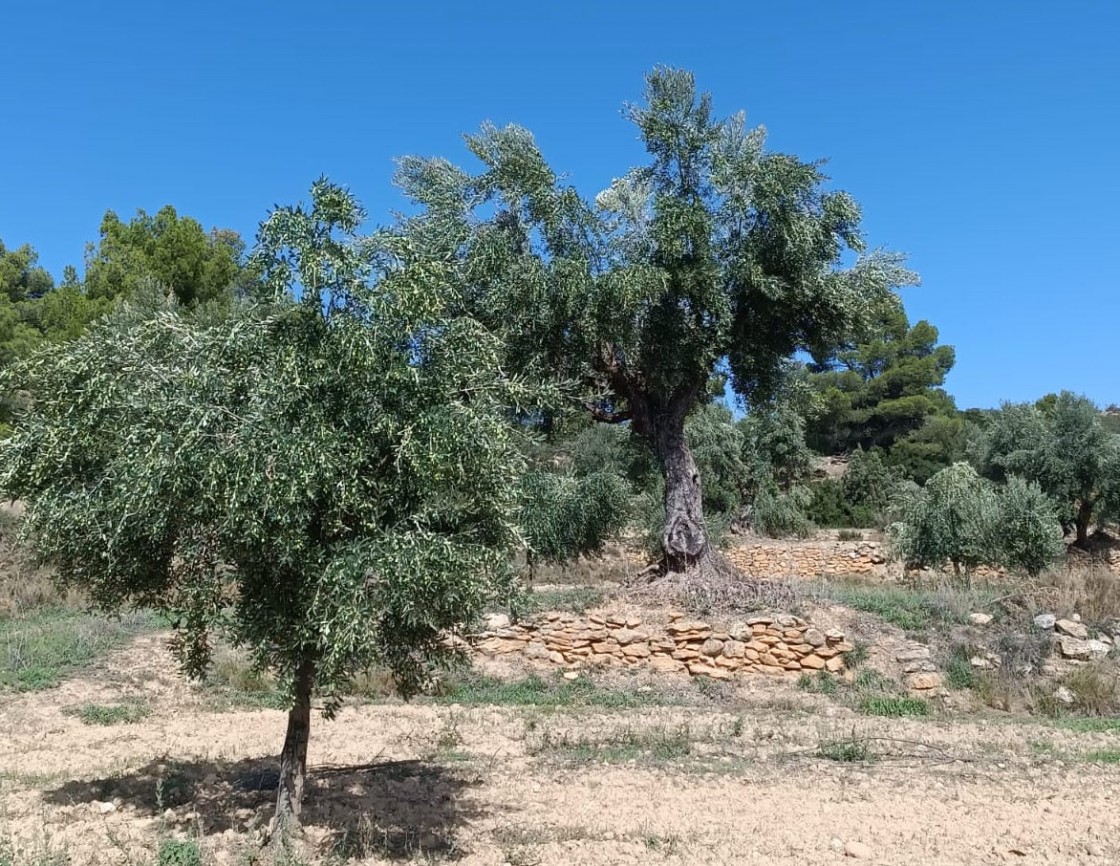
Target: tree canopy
x=716 y=251
x=882 y=387
x=190 y=263
x=329 y=481
x=1064 y=446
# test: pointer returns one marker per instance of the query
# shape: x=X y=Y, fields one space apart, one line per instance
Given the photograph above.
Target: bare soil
x=732 y=779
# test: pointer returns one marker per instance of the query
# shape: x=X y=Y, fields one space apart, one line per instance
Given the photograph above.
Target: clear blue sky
x=980 y=137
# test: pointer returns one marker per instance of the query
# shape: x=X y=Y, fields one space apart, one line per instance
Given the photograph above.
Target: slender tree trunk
x=293 y=758
x=1084 y=517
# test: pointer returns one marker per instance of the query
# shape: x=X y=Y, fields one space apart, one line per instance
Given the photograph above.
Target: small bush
x=1028 y=527
x=846 y=750
x=781 y=514
x=820 y=683
x=179 y=852
x=858 y=656
x=959 y=673
x=849 y=535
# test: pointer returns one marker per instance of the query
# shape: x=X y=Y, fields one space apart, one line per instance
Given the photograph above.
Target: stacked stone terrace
x=777 y=644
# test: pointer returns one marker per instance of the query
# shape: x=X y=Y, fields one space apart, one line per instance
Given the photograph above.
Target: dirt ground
x=731 y=779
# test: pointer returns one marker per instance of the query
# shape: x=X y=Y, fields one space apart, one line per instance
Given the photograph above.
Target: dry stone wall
x=759 y=644
x=810 y=558
x=833 y=558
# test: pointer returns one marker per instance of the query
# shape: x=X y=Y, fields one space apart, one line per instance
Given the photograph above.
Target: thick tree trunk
x=1084 y=516
x=293 y=758
x=684 y=538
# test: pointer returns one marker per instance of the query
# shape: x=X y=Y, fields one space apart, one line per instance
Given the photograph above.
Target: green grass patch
x=126 y=713
x=894 y=706
x=535 y=691
x=1088 y=725
x=656 y=745
x=178 y=852
x=820 y=683
x=845 y=750
x=568 y=599
x=959 y=673
x=1102 y=756
x=38 y=651
x=910 y=608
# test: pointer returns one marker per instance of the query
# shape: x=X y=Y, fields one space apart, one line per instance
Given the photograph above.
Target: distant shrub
x=1028 y=527
x=779 y=514
x=563 y=516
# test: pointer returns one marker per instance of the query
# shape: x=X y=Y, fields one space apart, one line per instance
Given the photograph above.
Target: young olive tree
x=326 y=475
x=715 y=252
x=952 y=519
x=1028 y=527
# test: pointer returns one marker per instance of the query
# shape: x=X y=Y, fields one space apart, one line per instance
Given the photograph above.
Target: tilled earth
x=735 y=777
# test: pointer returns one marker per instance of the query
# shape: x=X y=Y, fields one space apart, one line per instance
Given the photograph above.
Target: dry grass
x=25 y=585
x=1092 y=591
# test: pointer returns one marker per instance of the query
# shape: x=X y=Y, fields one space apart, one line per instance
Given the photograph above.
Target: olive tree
x=325 y=475
x=1064 y=446
x=952 y=519
x=962 y=518
x=716 y=252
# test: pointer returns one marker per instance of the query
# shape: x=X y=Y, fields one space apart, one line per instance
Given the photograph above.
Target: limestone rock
x=1045 y=620
x=734 y=649
x=979 y=618
x=495 y=621
x=535 y=650
x=1064 y=696
x=813 y=662
x=924 y=681
x=913 y=654
x=636 y=650
x=665 y=665
x=1072 y=628
x=814 y=637
x=712 y=647
x=628 y=635
x=1074 y=648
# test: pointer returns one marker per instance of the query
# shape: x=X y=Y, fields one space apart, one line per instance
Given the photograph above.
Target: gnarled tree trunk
x=293 y=758
x=683 y=538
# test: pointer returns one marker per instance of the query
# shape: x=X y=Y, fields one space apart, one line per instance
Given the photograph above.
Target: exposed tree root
x=712 y=584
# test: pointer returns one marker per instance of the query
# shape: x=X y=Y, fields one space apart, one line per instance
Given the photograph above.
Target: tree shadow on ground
x=393 y=809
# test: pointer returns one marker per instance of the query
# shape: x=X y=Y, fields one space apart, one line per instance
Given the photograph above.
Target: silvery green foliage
x=715 y=250
x=1064 y=447
x=326 y=474
x=564 y=515
x=781 y=513
x=954 y=518
x=1030 y=539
